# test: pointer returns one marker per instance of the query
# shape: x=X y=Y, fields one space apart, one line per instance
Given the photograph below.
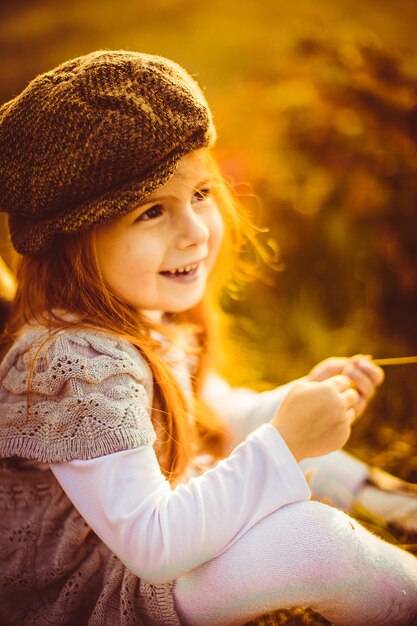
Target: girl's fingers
x=336 y=365
x=363 y=383
x=351 y=415
x=327 y=368
x=350 y=398
x=368 y=368
x=365 y=376
x=341 y=382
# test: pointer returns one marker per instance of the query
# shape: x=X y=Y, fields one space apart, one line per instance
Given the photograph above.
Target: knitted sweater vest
x=90 y=395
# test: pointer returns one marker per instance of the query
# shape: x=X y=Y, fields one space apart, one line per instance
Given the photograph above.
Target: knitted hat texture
x=85 y=142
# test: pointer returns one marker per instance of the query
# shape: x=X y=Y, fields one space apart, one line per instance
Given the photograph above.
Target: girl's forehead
x=192 y=169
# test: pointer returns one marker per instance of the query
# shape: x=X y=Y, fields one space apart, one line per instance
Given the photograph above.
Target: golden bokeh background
x=316 y=109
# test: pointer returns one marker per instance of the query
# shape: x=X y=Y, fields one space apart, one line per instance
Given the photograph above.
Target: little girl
x=115 y=507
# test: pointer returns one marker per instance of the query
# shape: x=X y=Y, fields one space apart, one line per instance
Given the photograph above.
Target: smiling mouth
x=186 y=270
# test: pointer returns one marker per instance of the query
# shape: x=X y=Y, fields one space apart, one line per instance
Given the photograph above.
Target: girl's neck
x=153 y=316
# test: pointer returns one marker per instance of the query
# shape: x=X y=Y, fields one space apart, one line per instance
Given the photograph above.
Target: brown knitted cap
x=85 y=142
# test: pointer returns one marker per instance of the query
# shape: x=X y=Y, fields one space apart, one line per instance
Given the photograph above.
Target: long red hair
x=67 y=278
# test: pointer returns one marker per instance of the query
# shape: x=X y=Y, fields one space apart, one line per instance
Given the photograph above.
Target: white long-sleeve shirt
x=160 y=533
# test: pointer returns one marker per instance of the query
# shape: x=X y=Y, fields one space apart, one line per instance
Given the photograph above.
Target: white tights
x=303 y=555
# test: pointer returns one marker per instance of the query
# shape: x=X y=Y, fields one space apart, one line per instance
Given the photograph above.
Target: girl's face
x=158 y=256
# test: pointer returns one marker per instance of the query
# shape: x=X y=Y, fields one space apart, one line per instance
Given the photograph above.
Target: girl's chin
x=175 y=301
x=184 y=305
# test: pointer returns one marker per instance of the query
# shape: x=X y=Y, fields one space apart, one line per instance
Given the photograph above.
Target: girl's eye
x=150 y=214
x=202 y=194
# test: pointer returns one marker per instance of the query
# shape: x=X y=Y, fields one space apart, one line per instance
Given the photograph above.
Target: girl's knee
x=327 y=538
x=337 y=543
x=319 y=523
x=326 y=541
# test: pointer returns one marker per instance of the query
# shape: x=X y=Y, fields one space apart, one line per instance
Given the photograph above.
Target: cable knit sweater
x=89 y=397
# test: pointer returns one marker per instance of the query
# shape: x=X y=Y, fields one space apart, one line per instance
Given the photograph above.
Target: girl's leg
x=303 y=555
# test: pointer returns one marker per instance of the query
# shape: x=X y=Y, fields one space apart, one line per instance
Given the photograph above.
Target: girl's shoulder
x=73 y=393
x=54 y=356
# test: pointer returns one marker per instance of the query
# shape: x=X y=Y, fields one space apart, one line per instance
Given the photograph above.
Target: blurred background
x=316 y=109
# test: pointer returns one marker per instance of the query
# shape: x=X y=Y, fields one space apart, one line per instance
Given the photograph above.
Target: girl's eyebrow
x=207 y=180
x=145 y=201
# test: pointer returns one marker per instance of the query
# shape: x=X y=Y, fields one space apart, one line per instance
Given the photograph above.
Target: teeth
x=182 y=270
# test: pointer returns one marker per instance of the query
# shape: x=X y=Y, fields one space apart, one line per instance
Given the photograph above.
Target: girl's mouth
x=185 y=273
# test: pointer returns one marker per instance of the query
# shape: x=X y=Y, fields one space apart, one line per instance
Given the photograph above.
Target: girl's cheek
x=217 y=230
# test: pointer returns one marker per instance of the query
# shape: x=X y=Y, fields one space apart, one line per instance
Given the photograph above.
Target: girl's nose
x=192 y=231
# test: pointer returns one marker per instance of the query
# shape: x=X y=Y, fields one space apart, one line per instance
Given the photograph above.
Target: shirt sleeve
x=243 y=409
x=160 y=533
x=334 y=477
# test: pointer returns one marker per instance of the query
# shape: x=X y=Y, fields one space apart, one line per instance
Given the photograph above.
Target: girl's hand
x=315 y=417
x=363 y=373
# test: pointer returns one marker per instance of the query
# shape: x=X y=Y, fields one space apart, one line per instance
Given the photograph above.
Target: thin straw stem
x=399 y=360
